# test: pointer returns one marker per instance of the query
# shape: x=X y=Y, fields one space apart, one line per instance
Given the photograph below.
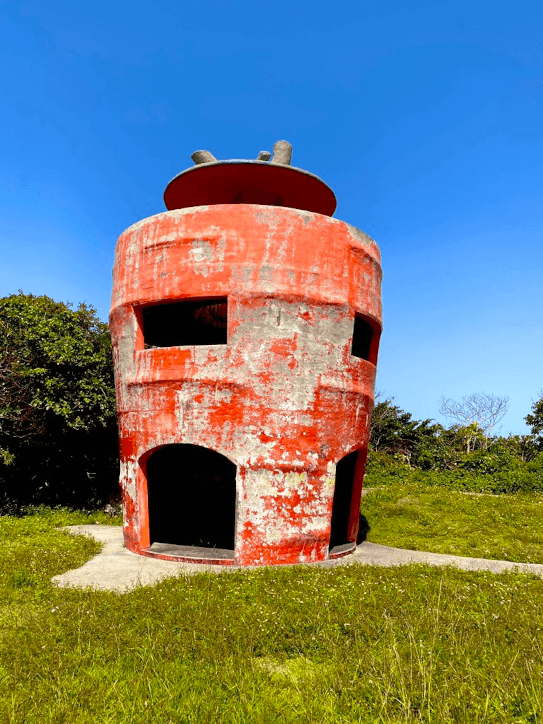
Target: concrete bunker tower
x=245 y=324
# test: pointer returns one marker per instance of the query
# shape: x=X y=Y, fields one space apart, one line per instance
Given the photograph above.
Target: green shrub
x=58 y=437
x=480 y=472
x=383 y=469
x=490 y=461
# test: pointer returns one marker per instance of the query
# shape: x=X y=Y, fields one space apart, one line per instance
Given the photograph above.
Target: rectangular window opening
x=362 y=338
x=185 y=323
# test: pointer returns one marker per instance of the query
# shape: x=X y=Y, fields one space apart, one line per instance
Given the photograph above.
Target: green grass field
x=350 y=644
x=506 y=527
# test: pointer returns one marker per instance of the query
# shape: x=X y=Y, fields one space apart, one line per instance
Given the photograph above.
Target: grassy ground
x=506 y=527
x=352 y=644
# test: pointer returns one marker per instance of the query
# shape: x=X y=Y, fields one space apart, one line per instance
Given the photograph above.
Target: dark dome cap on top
x=269 y=180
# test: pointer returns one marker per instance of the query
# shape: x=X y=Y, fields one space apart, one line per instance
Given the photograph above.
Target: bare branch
x=484 y=408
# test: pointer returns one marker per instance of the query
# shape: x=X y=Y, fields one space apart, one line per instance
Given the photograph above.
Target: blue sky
x=424 y=117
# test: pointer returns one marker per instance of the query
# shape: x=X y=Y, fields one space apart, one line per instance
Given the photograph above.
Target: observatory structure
x=245 y=323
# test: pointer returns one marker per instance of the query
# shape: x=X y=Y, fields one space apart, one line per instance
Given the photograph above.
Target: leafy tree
x=470 y=436
x=523 y=447
x=534 y=420
x=393 y=431
x=58 y=435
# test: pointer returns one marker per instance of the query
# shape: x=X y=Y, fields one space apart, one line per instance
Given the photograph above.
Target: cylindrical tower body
x=245 y=341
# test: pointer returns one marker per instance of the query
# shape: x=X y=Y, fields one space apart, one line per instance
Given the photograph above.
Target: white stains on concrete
x=249 y=449
x=290 y=345
x=128 y=474
x=201 y=255
x=361 y=236
x=223 y=394
x=329 y=478
x=282 y=505
x=266 y=273
x=182 y=408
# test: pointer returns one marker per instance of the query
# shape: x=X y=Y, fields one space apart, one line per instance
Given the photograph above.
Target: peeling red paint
x=284 y=399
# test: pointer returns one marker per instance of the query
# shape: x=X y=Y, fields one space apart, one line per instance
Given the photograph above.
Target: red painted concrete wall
x=284 y=399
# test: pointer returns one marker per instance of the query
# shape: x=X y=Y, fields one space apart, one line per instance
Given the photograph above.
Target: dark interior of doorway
x=192 y=498
x=343 y=496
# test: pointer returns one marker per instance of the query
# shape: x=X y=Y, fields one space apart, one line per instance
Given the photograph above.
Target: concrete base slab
x=378 y=555
x=117 y=569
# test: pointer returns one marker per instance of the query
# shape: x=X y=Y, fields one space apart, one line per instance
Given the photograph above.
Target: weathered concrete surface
x=117 y=569
x=282 y=153
x=284 y=399
x=203 y=157
x=378 y=555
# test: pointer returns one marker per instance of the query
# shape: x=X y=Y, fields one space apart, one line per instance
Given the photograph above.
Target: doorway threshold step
x=341 y=550
x=169 y=549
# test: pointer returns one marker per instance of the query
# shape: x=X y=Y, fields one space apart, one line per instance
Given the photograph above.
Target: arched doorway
x=192 y=499
x=346 y=505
